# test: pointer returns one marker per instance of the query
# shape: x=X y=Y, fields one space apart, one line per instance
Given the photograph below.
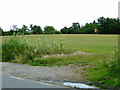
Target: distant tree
x=74 y=29
x=23 y=29
x=64 y=30
x=49 y=30
x=71 y=30
x=89 y=28
x=11 y=32
x=31 y=27
x=57 y=32
x=15 y=29
x=108 y=25
x=76 y=25
x=36 y=29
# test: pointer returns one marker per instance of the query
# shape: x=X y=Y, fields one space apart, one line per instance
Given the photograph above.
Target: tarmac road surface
x=14 y=82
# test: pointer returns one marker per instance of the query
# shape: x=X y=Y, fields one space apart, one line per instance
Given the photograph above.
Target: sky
x=57 y=13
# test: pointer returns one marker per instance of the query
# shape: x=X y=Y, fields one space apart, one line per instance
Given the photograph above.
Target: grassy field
x=87 y=43
x=96 y=66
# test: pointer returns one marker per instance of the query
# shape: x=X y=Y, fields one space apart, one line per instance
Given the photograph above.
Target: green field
x=88 y=43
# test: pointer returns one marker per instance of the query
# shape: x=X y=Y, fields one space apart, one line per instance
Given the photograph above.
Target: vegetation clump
x=17 y=49
x=107 y=71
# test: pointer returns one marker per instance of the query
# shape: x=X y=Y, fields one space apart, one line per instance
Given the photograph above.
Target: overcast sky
x=57 y=13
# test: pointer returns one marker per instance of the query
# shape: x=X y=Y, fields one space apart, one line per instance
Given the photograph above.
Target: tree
x=15 y=29
x=108 y=25
x=64 y=30
x=74 y=29
x=89 y=28
x=49 y=30
x=76 y=25
x=23 y=29
x=31 y=27
x=36 y=29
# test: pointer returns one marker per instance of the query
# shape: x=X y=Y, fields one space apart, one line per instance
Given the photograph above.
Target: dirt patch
x=63 y=73
x=64 y=55
x=70 y=73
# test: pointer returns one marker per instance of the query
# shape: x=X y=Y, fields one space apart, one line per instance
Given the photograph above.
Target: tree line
x=103 y=25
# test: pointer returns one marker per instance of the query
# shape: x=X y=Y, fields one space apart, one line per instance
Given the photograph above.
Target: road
x=14 y=82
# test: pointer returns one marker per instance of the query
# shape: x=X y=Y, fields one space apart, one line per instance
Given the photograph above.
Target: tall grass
x=18 y=50
x=114 y=68
x=114 y=65
x=51 y=47
x=13 y=47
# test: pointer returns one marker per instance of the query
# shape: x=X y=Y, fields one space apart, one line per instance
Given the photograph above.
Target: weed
x=51 y=47
x=113 y=64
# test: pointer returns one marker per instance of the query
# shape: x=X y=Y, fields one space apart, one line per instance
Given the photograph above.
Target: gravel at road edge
x=44 y=73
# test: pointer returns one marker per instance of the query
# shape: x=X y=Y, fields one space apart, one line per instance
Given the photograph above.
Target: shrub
x=13 y=47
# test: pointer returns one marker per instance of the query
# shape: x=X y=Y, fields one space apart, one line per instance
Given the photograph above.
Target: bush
x=8 y=33
x=27 y=33
x=13 y=47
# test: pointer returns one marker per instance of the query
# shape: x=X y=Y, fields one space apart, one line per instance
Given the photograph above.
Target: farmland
x=87 y=43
